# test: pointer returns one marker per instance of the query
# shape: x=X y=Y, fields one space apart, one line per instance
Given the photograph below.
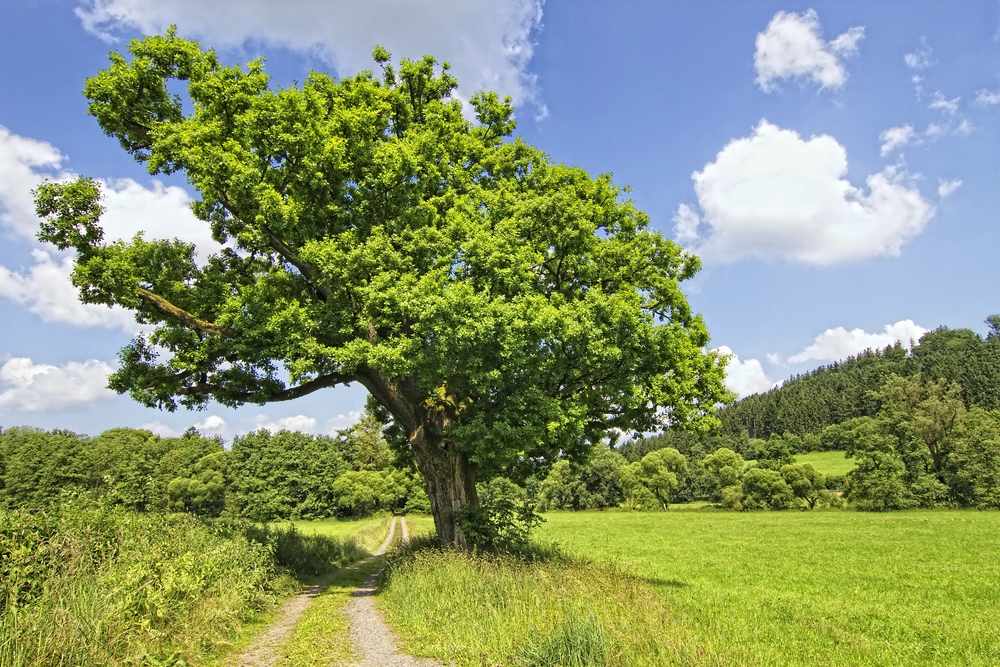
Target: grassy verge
x=533 y=609
x=86 y=585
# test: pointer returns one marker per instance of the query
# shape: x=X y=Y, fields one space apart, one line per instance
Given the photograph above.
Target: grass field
x=828 y=463
x=772 y=588
x=368 y=532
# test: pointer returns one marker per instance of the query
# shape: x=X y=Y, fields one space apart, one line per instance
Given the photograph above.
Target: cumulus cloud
x=29 y=387
x=744 y=378
x=161 y=429
x=839 y=343
x=896 y=137
x=158 y=211
x=792 y=46
x=774 y=195
x=686 y=223
x=300 y=423
x=987 y=98
x=342 y=421
x=489 y=44
x=947 y=188
x=24 y=163
x=212 y=425
x=45 y=290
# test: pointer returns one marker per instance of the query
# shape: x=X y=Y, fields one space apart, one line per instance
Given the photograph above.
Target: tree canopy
x=501 y=307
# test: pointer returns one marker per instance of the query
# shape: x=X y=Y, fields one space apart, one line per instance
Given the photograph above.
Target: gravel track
x=266 y=649
x=370 y=634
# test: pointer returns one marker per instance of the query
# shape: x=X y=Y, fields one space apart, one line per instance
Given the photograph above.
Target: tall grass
x=86 y=585
x=539 y=608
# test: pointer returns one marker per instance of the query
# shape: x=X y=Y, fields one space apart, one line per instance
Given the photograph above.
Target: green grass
x=367 y=532
x=696 y=588
x=828 y=463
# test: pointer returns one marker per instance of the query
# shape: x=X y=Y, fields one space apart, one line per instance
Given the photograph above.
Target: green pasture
x=367 y=532
x=715 y=588
x=828 y=463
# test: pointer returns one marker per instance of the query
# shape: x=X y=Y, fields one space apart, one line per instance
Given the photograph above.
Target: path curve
x=370 y=634
x=265 y=651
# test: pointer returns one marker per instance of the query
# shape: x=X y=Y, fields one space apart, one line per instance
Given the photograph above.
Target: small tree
x=500 y=307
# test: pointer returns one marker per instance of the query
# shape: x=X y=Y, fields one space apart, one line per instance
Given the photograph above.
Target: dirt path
x=369 y=632
x=265 y=651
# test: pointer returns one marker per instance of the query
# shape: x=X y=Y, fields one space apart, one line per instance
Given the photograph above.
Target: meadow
x=828 y=463
x=713 y=588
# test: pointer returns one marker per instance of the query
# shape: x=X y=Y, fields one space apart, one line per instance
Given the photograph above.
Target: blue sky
x=835 y=164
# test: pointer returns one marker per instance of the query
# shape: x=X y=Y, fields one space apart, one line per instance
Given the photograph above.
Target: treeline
x=808 y=403
x=922 y=448
x=263 y=476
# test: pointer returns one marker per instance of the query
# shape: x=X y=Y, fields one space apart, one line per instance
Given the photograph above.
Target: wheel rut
x=372 y=637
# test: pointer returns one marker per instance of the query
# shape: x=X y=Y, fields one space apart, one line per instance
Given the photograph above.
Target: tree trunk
x=451 y=484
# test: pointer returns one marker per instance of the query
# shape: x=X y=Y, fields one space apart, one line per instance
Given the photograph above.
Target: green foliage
x=285 y=475
x=96 y=585
x=363 y=492
x=503 y=521
x=766 y=489
x=973 y=466
x=725 y=470
x=808 y=404
x=127 y=467
x=806 y=483
x=654 y=479
x=594 y=483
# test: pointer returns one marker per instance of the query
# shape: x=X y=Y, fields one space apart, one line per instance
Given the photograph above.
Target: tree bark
x=451 y=484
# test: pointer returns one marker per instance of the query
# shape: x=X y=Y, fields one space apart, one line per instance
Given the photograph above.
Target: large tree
x=501 y=307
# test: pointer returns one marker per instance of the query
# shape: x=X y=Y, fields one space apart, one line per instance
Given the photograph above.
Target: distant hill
x=843 y=390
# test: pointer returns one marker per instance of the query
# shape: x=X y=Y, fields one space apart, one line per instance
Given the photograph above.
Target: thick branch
x=170 y=310
x=322 y=382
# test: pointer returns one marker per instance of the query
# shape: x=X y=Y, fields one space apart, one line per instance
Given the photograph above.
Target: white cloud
x=954 y=127
x=921 y=58
x=775 y=195
x=300 y=423
x=488 y=44
x=942 y=103
x=744 y=378
x=46 y=291
x=161 y=212
x=792 y=47
x=686 y=223
x=212 y=425
x=775 y=358
x=161 y=429
x=896 y=137
x=987 y=97
x=24 y=163
x=342 y=421
x=30 y=387
x=947 y=188
x=839 y=343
